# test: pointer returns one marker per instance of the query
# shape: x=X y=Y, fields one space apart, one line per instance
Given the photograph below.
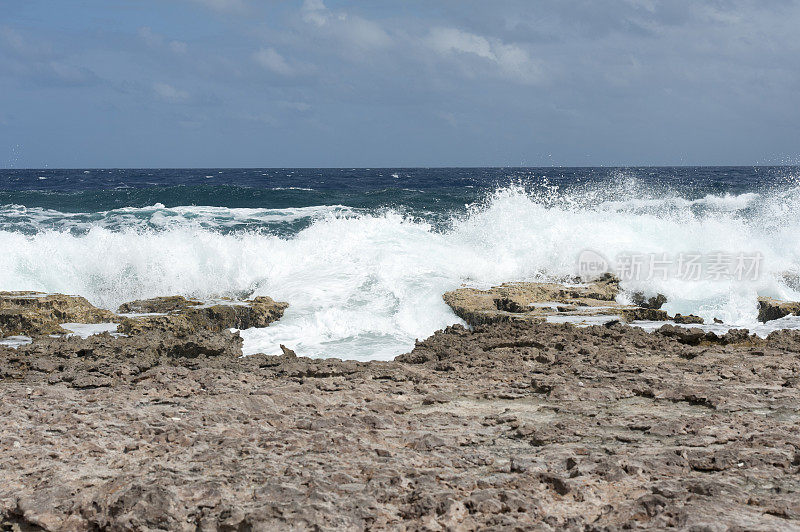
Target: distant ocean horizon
x=363 y=255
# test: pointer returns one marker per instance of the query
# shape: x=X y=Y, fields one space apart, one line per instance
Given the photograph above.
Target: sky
x=324 y=83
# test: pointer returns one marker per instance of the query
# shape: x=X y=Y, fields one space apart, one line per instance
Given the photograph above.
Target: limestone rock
x=654 y=302
x=37 y=313
x=158 y=305
x=534 y=302
x=183 y=316
x=688 y=319
x=508 y=426
x=774 y=309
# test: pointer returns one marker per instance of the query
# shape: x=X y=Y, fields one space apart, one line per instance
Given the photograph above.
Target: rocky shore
x=516 y=423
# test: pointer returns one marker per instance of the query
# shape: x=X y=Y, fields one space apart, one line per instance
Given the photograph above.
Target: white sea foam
x=366 y=285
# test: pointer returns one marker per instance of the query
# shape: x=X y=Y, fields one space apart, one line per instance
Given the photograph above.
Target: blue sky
x=208 y=83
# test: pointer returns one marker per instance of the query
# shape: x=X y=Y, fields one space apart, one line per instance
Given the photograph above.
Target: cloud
x=22 y=47
x=270 y=59
x=351 y=30
x=511 y=60
x=150 y=38
x=169 y=93
x=154 y=40
x=35 y=60
x=179 y=47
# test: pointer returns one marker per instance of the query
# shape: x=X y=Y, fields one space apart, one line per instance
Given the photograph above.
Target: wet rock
x=182 y=316
x=163 y=305
x=534 y=302
x=36 y=313
x=653 y=302
x=647 y=314
x=774 y=309
x=688 y=319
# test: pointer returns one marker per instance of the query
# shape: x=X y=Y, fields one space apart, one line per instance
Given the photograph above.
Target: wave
x=364 y=284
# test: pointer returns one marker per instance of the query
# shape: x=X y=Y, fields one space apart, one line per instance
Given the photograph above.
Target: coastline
x=510 y=424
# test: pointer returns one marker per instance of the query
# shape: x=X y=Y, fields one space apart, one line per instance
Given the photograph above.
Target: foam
x=365 y=285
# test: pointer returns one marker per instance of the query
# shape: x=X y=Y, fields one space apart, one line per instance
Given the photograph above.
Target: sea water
x=363 y=256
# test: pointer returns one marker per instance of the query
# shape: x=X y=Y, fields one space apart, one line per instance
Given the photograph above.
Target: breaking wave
x=364 y=284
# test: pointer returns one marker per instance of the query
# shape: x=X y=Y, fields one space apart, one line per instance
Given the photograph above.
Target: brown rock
x=533 y=302
x=653 y=302
x=773 y=309
x=36 y=313
x=184 y=316
x=688 y=319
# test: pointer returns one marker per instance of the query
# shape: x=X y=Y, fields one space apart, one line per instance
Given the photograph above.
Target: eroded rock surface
x=182 y=316
x=36 y=313
x=511 y=426
x=534 y=302
x=774 y=309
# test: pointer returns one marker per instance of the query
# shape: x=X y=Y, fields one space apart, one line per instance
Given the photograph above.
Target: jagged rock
x=688 y=319
x=534 y=302
x=37 y=313
x=531 y=427
x=654 y=302
x=288 y=352
x=158 y=305
x=183 y=316
x=774 y=309
x=147 y=348
x=643 y=313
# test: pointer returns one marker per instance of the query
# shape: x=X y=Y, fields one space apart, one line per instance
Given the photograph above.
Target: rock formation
x=508 y=426
x=774 y=309
x=186 y=316
x=36 y=313
x=534 y=302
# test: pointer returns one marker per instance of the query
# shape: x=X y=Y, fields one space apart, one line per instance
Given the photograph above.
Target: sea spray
x=365 y=283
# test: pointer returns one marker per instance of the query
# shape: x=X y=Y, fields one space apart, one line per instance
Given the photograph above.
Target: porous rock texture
x=36 y=313
x=512 y=426
x=39 y=314
x=182 y=316
x=535 y=302
x=774 y=309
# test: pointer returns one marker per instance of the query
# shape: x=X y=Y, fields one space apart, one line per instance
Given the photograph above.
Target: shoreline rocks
x=182 y=316
x=536 y=302
x=36 y=314
x=774 y=309
x=514 y=425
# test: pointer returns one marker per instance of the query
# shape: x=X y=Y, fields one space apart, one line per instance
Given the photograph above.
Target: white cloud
x=270 y=59
x=315 y=12
x=150 y=38
x=349 y=29
x=154 y=40
x=169 y=93
x=511 y=60
x=179 y=47
x=24 y=47
x=445 y=40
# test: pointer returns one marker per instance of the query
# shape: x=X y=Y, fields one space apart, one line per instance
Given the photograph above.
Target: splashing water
x=364 y=283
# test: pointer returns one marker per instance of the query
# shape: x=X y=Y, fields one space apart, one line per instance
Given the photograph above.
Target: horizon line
x=443 y=167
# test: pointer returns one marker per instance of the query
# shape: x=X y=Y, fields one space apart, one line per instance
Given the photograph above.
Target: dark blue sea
x=364 y=255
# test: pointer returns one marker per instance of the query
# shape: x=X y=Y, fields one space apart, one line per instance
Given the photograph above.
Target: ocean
x=363 y=255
